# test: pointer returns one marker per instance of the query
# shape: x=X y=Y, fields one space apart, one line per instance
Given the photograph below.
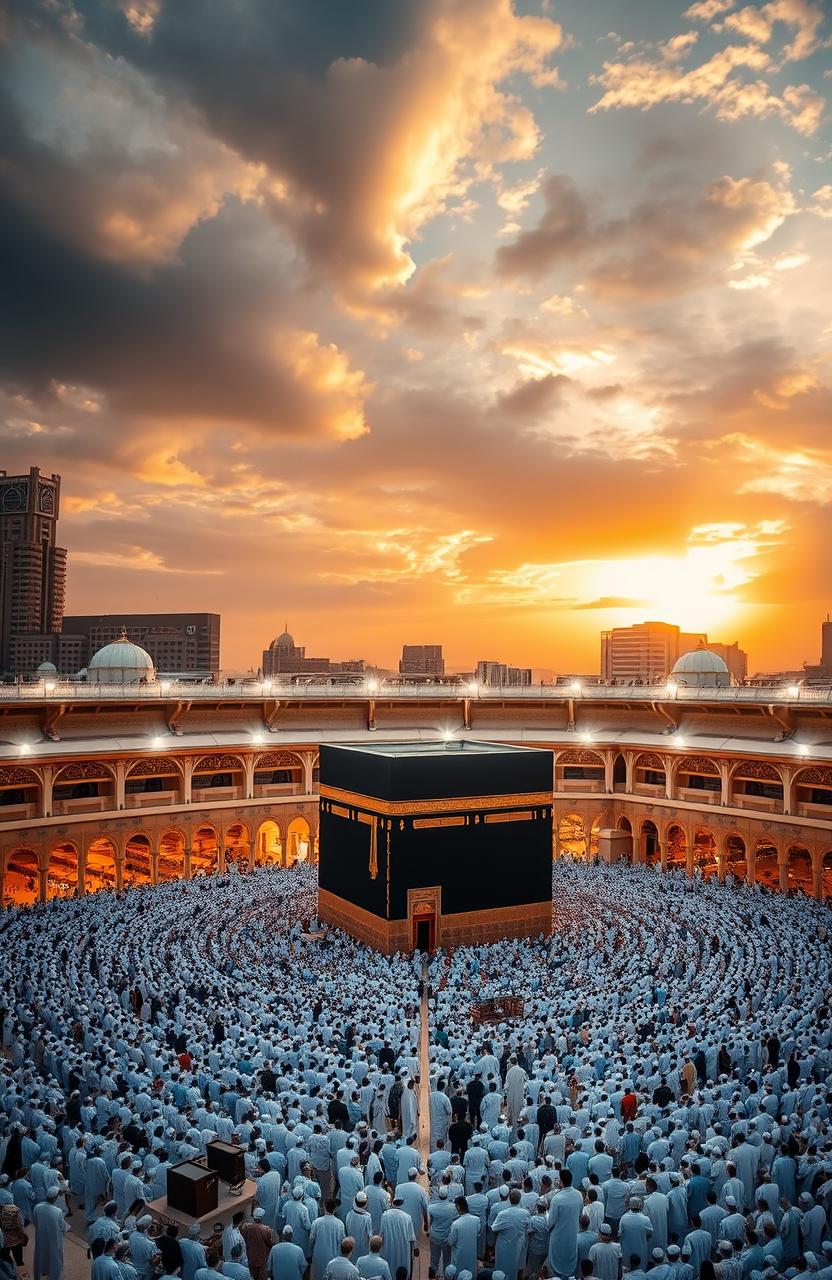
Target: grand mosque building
x=126 y=778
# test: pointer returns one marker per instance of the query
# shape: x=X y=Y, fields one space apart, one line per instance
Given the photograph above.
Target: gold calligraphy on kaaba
x=455 y=820
x=452 y=804
x=519 y=815
x=371 y=821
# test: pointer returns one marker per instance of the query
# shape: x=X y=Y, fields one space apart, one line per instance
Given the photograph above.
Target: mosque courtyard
x=673 y=1045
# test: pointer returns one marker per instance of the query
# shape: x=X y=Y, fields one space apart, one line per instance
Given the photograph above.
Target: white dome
x=701 y=667
x=48 y=669
x=284 y=640
x=121 y=662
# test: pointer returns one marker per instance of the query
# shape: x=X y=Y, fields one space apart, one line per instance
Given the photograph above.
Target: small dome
x=701 y=667
x=121 y=662
x=48 y=669
x=284 y=640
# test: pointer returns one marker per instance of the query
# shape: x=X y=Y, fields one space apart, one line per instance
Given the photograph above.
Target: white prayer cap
x=53 y=1193
x=259 y=1213
x=443 y=1195
x=657 y=1254
x=144 y=1221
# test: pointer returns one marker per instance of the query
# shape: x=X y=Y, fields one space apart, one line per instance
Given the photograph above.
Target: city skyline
x=427 y=323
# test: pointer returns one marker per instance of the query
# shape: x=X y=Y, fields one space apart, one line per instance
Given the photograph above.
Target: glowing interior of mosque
x=100 y=792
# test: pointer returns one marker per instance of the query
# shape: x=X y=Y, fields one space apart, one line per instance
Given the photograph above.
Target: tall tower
x=826 y=644
x=32 y=567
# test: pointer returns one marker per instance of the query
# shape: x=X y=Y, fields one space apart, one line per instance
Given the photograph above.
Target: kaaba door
x=423 y=916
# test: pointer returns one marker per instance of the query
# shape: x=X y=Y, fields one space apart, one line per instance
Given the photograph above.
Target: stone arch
x=572 y=835
x=756 y=784
x=20 y=793
x=799 y=868
x=299 y=847
x=205 y=849
x=766 y=862
x=812 y=792
x=650 y=773
x=62 y=870
x=100 y=865
x=735 y=855
x=278 y=773
x=21 y=881
x=172 y=846
x=650 y=845
x=696 y=778
x=269 y=848
x=705 y=852
x=219 y=776
x=86 y=786
x=237 y=844
x=624 y=823
x=619 y=773
x=577 y=770
x=138 y=859
x=676 y=844
x=153 y=780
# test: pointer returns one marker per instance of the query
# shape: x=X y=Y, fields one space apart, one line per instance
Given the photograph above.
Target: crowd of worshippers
x=661 y=1109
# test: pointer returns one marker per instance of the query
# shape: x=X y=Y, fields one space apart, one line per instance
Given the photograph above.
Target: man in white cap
x=398 y=1239
x=50 y=1228
x=605 y=1255
x=259 y=1239
x=510 y=1227
x=359 y=1224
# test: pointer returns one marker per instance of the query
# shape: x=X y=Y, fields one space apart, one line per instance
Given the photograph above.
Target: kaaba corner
x=435 y=844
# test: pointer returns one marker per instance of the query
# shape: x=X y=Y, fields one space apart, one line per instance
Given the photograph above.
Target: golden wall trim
x=448 y=804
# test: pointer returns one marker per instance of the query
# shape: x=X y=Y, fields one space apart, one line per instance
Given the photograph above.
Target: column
x=670 y=768
x=48 y=775
x=119 y=873
x=186 y=869
x=308 y=770
x=663 y=854
x=82 y=880
x=42 y=877
x=220 y=855
x=750 y=861
x=248 y=766
x=817 y=875
x=788 y=779
x=689 y=854
x=121 y=776
x=187 y=778
x=154 y=866
x=724 y=777
x=720 y=867
x=609 y=767
x=630 y=760
x=783 y=869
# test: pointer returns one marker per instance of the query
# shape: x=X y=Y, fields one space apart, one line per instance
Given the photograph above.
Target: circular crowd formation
x=648 y=1090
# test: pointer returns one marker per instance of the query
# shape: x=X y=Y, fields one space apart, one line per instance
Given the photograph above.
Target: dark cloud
x=565 y=230
x=528 y=400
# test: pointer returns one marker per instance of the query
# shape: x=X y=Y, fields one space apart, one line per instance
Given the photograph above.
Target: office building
x=178 y=643
x=499 y=674
x=649 y=651
x=422 y=661
x=32 y=570
x=735 y=659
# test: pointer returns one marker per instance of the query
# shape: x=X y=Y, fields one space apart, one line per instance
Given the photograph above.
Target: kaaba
x=428 y=844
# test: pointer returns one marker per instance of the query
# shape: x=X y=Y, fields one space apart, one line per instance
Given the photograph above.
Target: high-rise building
x=823 y=669
x=32 y=569
x=499 y=674
x=422 y=660
x=177 y=642
x=647 y=651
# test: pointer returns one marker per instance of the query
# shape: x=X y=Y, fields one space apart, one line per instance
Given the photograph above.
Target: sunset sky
x=427 y=320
